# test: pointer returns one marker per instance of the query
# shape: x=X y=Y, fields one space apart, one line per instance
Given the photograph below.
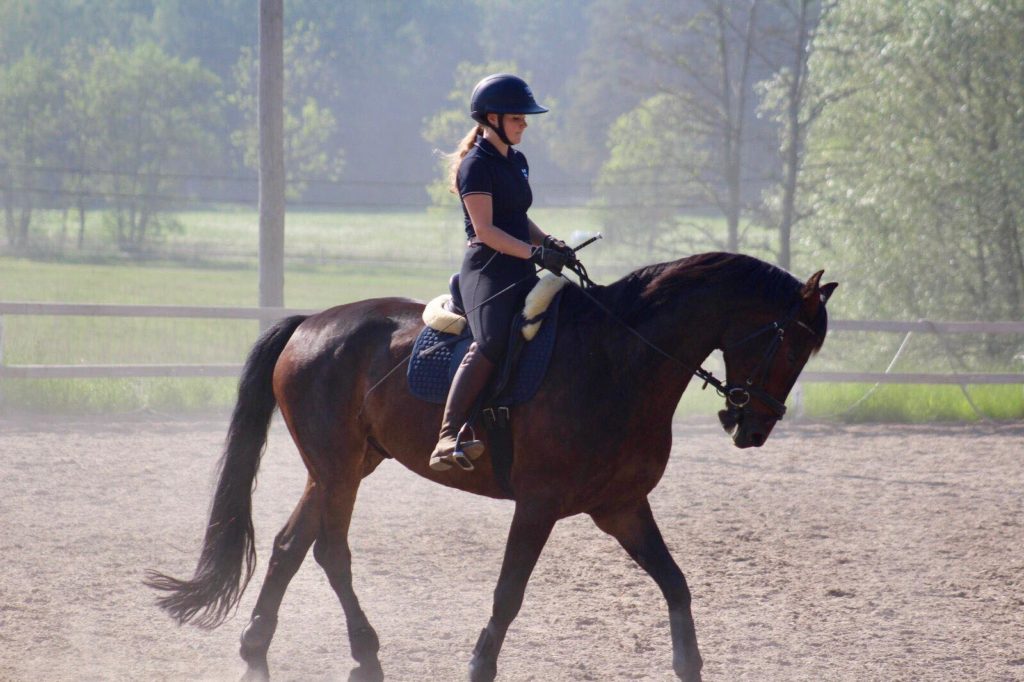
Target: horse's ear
x=826 y=291
x=811 y=288
x=814 y=294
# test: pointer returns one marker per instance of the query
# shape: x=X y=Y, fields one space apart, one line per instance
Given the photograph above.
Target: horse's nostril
x=757 y=439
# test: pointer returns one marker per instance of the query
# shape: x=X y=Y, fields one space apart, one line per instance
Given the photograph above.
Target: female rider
x=492 y=180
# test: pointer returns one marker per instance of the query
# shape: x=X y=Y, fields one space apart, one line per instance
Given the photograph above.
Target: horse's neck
x=687 y=332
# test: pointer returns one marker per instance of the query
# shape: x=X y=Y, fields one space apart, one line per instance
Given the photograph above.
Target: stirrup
x=463 y=454
x=459 y=456
x=462 y=459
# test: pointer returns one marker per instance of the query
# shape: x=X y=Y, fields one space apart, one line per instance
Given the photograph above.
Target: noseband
x=739 y=396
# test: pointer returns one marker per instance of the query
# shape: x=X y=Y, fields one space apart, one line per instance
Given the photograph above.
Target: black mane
x=651 y=286
x=644 y=291
x=773 y=285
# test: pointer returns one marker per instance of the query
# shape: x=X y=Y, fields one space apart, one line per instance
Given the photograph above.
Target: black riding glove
x=549 y=259
x=560 y=246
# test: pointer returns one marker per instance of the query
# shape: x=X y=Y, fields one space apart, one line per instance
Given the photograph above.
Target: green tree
x=29 y=131
x=312 y=152
x=608 y=80
x=918 y=175
x=82 y=155
x=793 y=102
x=701 y=56
x=152 y=117
x=45 y=27
x=650 y=164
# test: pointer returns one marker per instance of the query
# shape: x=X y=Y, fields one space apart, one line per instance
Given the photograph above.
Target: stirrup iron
x=466 y=451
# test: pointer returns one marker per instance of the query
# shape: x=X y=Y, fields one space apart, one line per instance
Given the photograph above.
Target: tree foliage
x=919 y=174
x=152 y=117
x=886 y=139
x=645 y=187
x=30 y=126
x=788 y=98
x=703 y=59
x=312 y=151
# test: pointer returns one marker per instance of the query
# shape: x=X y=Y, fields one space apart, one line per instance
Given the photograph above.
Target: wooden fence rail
x=268 y=314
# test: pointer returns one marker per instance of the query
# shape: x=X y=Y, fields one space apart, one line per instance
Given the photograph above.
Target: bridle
x=738 y=396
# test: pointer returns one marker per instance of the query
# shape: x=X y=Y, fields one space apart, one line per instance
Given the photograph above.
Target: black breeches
x=484 y=274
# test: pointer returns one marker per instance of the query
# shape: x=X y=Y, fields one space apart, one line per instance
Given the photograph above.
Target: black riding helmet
x=502 y=93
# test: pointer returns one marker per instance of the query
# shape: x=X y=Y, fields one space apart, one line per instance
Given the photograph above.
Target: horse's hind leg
x=635 y=529
x=290 y=548
x=333 y=554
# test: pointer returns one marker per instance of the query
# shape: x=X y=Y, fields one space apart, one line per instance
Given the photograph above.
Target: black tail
x=211 y=595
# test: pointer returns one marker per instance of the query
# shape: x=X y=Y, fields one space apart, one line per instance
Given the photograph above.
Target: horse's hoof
x=256 y=674
x=367 y=672
x=483 y=667
x=482 y=671
x=688 y=673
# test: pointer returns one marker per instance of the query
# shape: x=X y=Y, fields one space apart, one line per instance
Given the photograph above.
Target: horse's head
x=764 y=354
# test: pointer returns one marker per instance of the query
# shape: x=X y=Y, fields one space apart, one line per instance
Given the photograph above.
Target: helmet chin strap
x=500 y=129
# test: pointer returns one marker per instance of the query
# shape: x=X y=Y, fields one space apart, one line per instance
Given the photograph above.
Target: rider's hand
x=549 y=258
x=560 y=246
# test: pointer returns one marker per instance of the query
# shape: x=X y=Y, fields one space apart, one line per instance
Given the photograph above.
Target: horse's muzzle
x=748 y=429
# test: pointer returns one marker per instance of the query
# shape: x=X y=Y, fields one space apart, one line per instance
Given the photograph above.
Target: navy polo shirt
x=506 y=179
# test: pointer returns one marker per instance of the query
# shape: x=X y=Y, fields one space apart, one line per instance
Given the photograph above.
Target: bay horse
x=594 y=440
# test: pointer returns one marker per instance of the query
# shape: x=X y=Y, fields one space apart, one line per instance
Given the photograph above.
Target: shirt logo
x=526 y=173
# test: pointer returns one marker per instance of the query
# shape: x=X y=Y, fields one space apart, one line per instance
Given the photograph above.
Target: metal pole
x=271 y=171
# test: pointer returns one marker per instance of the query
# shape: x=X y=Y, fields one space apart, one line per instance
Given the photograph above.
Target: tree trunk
x=793 y=138
x=24 y=221
x=65 y=210
x=81 y=222
x=9 y=224
x=729 y=140
x=734 y=111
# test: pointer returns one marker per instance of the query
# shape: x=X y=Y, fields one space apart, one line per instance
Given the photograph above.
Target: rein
x=737 y=395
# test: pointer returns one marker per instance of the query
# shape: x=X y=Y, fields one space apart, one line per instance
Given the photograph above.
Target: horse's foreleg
x=637 y=532
x=333 y=554
x=290 y=547
x=531 y=526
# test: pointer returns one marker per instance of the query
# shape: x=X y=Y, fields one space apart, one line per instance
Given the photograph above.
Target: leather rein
x=737 y=395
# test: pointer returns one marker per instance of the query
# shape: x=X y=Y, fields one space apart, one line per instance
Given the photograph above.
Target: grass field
x=335 y=258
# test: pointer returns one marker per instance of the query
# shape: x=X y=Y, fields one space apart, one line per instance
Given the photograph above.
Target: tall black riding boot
x=470 y=379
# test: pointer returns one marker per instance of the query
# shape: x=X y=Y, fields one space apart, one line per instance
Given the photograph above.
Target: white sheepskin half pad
x=436 y=316
x=538 y=300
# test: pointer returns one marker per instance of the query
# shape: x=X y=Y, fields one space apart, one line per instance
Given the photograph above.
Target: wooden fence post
x=271 y=154
x=1 y=358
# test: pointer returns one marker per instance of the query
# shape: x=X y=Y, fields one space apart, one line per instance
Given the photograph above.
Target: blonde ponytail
x=456 y=157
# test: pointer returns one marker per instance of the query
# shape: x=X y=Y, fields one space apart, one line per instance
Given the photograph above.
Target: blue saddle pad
x=436 y=356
